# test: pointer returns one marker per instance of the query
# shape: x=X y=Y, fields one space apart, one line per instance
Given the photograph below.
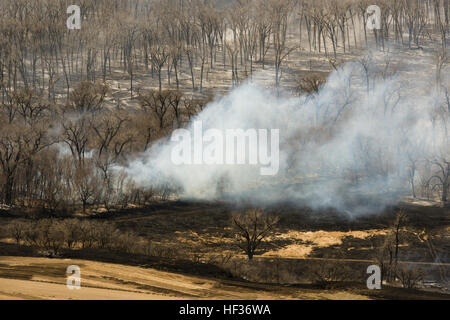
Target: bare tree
x=252 y=227
x=87 y=97
x=281 y=10
x=441 y=178
x=159 y=54
x=158 y=102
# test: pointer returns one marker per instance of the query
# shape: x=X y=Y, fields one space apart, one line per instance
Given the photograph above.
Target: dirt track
x=41 y=278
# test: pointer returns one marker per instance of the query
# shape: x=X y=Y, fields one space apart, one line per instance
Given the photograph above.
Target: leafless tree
x=159 y=103
x=252 y=227
x=281 y=10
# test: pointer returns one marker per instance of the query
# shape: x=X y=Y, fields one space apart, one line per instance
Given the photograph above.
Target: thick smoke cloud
x=354 y=146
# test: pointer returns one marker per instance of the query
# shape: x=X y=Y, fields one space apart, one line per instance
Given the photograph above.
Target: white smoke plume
x=351 y=146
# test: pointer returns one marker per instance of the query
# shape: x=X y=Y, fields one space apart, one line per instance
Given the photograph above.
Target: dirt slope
x=42 y=278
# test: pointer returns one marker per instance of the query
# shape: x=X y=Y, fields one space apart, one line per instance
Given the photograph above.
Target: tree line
x=179 y=42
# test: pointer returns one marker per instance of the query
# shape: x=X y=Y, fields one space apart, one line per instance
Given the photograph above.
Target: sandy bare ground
x=42 y=278
x=24 y=289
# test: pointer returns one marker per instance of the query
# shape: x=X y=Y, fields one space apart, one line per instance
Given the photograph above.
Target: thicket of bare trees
x=62 y=156
x=182 y=42
x=52 y=235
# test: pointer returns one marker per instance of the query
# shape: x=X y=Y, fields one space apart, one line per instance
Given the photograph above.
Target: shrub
x=16 y=230
x=409 y=277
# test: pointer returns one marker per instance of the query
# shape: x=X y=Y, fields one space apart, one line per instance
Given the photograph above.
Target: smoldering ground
x=376 y=129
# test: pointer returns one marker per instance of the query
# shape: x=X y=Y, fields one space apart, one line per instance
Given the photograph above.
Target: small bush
x=409 y=277
x=16 y=230
x=323 y=274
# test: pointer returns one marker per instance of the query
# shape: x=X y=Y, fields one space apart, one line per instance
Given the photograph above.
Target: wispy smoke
x=351 y=146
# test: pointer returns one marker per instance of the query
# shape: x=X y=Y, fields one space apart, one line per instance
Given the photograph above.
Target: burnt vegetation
x=77 y=104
